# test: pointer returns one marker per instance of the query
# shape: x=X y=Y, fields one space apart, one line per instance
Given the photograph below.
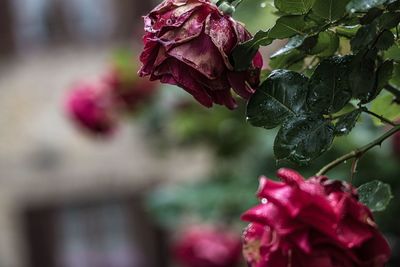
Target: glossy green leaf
x=293 y=43
x=281 y=96
x=347 y=122
x=385 y=72
x=288 y=26
x=330 y=10
x=376 y=195
x=326 y=45
x=329 y=88
x=303 y=138
x=363 y=78
x=284 y=61
x=385 y=40
x=298 y=7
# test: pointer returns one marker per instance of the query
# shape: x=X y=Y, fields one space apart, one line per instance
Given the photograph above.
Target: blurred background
x=71 y=199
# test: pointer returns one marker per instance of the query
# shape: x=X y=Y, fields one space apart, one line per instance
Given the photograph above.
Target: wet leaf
x=347 y=122
x=376 y=195
x=329 y=88
x=294 y=7
x=303 y=138
x=281 y=96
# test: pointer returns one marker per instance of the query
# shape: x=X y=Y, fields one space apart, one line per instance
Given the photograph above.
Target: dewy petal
x=181 y=75
x=290 y=176
x=222 y=34
x=223 y=97
x=169 y=14
x=273 y=216
x=189 y=30
x=202 y=55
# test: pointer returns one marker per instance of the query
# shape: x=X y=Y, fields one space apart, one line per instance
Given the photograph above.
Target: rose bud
x=188 y=43
x=205 y=246
x=314 y=223
x=90 y=106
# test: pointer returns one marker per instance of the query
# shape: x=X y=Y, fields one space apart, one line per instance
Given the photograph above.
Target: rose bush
x=311 y=223
x=90 y=106
x=188 y=43
x=206 y=246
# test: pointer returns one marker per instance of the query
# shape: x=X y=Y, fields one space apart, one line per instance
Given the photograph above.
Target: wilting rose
x=91 y=106
x=130 y=93
x=188 y=43
x=205 y=246
x=311 y=223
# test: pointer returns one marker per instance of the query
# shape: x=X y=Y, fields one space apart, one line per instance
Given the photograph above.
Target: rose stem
x=358 y=153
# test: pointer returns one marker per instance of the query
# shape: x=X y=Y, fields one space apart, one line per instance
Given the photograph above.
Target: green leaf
x=293 y=43
x=364 y=37
x=372 y=14
x=303 y=138
x=297 y=7
x=330 y=10
x=363 y=78
x=386 y=107
x=347 y=122
x=281 y=96
x=244 y=53
x=329 y=88
x=385 y=40
x=327 y=44
x=385 y=72
x=363 y=5
x=376 y=195
x=288 y=26
x=284 y=61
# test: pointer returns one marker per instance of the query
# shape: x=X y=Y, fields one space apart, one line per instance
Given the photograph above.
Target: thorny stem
x=381 y=118
x=358 y=153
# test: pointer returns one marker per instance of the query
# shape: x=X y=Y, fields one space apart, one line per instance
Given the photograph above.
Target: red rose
x=188 y=43
x=130 y=93
x=204 y=246
x=91 y=106
x=311 y=223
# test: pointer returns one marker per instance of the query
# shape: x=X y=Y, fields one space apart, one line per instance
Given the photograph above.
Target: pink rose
x=91 y=106
x=311 y=223
x=188 y=43
x=130 y=94
x=204 y=246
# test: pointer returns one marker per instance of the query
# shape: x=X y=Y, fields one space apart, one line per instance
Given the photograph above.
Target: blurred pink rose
x=91 y=106
x=204 y=246
x=311 y=223
x=188 y=43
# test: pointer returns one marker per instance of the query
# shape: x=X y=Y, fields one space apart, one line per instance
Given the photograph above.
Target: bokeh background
x=70 y=199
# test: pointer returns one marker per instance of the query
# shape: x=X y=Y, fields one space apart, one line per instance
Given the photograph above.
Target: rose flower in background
x=311 y=223
x=206 y=246
x=97 y=106
x=91 y=107
x=129 y=91
x=188 y=43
